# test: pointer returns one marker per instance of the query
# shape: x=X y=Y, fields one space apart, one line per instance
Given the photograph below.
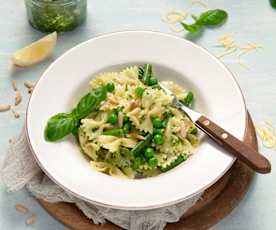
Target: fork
x=230 y=143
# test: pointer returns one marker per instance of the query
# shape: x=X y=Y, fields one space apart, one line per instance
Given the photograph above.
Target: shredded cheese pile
x=267 y=133
x=199 y=3
x=230 y=46
x=174 y=17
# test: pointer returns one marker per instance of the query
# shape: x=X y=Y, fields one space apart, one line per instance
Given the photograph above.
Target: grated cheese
x=242 y=64
x=176 y=29
x=230 y=46
x=200 y=3
x=250 y=46
x=267 y=133
x=173 y=17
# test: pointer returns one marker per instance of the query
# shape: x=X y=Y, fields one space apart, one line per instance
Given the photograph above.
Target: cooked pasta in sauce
x=136 y=132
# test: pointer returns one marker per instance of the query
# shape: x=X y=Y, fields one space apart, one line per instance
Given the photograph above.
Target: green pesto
x=56 y=15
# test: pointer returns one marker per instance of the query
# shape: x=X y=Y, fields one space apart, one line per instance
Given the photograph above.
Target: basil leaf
x=59 y=126
x=212 y=17
x=273 y=3
x=208 y=18
x=193 y=28
x=90 y=102
x=63 y=124
x=75 y=130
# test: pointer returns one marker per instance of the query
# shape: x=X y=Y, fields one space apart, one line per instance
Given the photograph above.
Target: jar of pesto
x=56 y=15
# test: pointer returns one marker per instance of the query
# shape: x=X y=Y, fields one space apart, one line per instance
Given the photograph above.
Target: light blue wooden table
x=249 y=20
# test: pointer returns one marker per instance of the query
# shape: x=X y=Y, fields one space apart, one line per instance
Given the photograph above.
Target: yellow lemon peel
x=35 y=52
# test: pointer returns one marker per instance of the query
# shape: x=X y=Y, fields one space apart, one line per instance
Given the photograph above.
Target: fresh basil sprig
x=89 y=102
x=62 y=124
x=59 y=126
x=273 y=3
x=208 y=18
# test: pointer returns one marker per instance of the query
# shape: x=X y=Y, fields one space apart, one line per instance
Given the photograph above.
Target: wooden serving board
x=216 y=203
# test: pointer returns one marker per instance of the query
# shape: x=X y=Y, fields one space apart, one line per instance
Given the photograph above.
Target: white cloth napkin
x=21 y=170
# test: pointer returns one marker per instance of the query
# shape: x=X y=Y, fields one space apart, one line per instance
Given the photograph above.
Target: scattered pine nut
x=31 y=219
x=14 y=85
x=4 y=108
x=30 y=90
x=21 y=208
x=15 y=114
x=18 y=98
x=28 y=84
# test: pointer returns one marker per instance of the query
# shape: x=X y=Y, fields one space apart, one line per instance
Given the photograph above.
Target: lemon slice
x=35 y=52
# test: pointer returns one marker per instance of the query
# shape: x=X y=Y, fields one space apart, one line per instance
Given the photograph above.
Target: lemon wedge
x=35 y=52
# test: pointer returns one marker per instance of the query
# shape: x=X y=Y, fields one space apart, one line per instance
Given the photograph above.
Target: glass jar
x=56 y=15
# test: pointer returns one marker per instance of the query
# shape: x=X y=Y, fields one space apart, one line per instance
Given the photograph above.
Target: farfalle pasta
x=127 y=126
x=135 y=131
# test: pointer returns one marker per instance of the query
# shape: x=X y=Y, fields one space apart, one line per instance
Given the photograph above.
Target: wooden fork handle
x=243 y=152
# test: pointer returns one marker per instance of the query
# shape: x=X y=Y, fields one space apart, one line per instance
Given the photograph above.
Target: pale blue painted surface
x=249 y=20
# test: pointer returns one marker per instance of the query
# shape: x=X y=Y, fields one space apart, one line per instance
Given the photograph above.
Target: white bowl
x=66 y=80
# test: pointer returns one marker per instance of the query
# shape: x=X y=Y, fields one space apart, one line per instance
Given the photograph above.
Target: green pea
x=158 y=139
x=139 y=91
x=136 y=163
x=158 y=131
x=110 y=87
x=152 y=162
x=153 y=81
x=127 y=127
x=113 y=118
x=157 y=123
x=149 y=152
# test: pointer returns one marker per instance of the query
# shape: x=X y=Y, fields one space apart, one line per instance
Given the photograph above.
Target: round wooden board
x=216 y=203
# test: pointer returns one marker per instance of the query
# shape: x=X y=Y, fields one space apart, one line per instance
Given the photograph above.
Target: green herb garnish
x=62 y=124
x=208 y=18
x=273 y=3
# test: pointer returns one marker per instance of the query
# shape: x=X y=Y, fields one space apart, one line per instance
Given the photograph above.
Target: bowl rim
x=148 y=207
